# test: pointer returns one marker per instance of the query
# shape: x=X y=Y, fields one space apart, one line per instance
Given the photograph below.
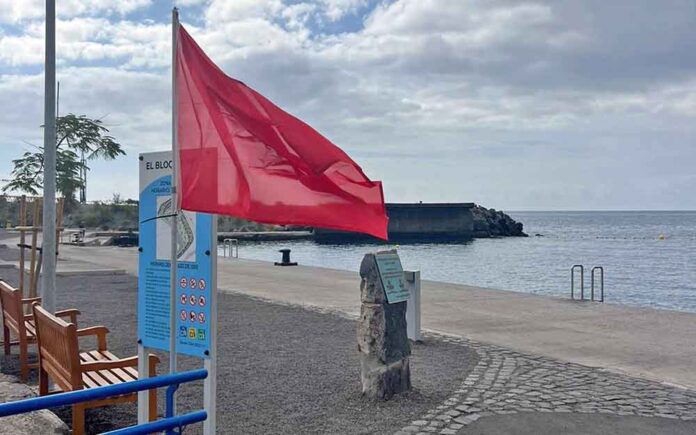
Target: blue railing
x=72 y=397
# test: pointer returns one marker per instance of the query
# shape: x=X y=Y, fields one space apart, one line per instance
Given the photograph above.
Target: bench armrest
x=99 y=331
x=93 y=366
x=71 y=313
x=31 y=300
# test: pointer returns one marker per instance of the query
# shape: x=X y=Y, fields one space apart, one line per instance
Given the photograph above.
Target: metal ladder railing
x=227 y=246
x=601 y=282
x=582 y=282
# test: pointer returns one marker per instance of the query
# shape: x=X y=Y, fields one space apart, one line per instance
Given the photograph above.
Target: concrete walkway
x=649 y=343
x=68 y=268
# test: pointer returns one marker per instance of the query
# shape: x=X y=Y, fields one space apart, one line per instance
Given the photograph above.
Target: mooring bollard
x=285 y=261
x=382 y=339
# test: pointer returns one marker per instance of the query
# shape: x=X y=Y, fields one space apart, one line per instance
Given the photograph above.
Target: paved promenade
x=510 y=392
x=653 y=344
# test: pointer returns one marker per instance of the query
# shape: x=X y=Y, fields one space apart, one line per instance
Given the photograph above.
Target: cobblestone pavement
x=509 y=382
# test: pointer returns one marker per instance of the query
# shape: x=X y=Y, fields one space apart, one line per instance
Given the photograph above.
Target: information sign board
x=194 y=265
x=392 y=275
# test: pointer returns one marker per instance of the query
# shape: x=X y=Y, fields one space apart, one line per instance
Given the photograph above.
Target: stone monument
x=382 y=337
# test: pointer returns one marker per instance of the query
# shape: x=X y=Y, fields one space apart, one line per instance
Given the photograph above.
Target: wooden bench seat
x=13 y=307
x=106 y=377
x=61 y=360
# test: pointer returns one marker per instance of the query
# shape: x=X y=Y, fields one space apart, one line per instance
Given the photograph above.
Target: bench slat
x=125 y=374
x=94 y=375
x=31 y=329
x=103 y=377
x=88 y=381
x=131 y=371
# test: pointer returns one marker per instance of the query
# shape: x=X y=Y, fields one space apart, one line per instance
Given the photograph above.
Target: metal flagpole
x=48 y=277
x=175 y=206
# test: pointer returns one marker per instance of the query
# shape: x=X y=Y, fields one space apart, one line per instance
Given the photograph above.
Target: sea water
x=648 y=256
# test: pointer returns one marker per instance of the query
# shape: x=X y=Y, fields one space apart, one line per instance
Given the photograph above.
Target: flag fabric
x=240 y=155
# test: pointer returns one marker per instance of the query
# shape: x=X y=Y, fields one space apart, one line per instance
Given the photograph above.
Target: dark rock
x=493 y=223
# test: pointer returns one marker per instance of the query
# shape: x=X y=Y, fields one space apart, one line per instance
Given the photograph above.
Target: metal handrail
x=582 y=281
x=227 y=247
x=601 y=282
x=162 y=425
x=79 y=396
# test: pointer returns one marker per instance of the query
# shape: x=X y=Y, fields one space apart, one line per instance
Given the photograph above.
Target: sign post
x=210 y=363
x=195 y=327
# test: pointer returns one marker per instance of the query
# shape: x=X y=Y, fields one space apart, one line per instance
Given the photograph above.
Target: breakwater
x=433 y=222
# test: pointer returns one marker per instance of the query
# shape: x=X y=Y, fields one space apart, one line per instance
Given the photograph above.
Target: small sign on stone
x=392 y=275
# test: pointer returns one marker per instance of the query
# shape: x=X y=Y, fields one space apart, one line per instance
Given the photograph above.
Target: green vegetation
x=116 y=214
x=79 y=139
x=104 y=215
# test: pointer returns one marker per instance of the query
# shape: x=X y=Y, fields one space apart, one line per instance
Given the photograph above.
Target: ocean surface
x=648 y=257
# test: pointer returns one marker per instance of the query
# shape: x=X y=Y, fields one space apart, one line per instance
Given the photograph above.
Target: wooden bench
x=22 y=325
x=60 y=360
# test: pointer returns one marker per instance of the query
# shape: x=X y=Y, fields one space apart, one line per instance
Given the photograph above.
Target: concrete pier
x=417 y=221
x=644 y=342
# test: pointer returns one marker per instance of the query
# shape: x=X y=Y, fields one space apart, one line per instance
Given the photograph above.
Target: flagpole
x=174 y=207
x=48 y=277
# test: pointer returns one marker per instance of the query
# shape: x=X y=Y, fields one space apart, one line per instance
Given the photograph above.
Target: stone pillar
x=382 y=338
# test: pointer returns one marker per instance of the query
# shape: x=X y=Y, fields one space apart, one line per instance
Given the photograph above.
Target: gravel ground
x=281 y=369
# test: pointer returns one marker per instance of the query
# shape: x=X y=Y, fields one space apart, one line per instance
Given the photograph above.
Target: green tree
x=79 y=139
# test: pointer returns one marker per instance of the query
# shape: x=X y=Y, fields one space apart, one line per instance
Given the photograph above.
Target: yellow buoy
x=661 y=237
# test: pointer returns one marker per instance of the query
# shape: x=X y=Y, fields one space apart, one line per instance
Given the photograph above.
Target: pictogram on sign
x=192 y=315
x=201 y=301
x=192 y=283
x=182 y=282
x=182 y=315
x=201 y=284
x=192 y=300
x=183 y=299
x=201 y=317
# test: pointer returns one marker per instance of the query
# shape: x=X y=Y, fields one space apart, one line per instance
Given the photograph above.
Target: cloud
x=503 y=102
x=18 y=11
x=337 y=9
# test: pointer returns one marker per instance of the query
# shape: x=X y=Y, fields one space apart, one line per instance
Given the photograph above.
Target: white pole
x=143 y=396
x=210 y=364
x=413 y=305
x=48 y=277
x=174 y=208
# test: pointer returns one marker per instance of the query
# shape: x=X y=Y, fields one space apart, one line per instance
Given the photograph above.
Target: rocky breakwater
x=489 y=222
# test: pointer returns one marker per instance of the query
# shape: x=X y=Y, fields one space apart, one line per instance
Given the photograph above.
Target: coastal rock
x=489 y=222
x=37 y=422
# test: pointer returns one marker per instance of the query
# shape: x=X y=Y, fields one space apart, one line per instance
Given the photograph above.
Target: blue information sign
x=195 y=254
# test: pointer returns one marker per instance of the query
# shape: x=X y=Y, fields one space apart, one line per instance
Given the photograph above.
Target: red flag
x=241 y=155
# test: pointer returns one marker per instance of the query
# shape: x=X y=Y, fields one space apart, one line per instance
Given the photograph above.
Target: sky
x=515 y=105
